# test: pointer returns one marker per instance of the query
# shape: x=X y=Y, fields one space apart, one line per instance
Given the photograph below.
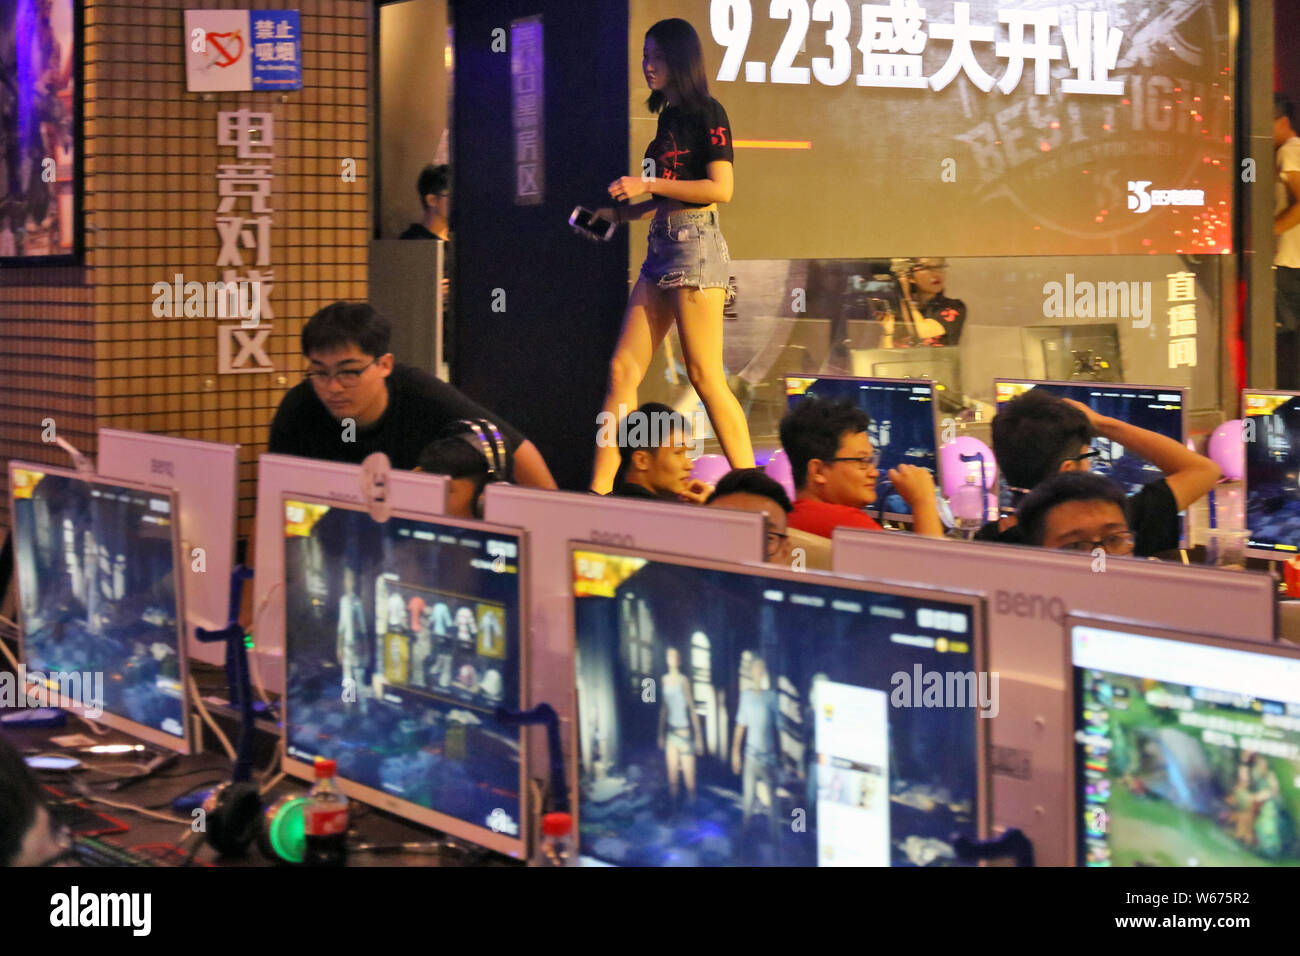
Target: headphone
x=485 y=438
x=235 y=817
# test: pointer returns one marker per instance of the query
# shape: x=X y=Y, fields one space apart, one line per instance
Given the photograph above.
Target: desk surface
x=201 y=771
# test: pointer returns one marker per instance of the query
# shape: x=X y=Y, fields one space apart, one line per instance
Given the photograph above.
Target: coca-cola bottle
x=325 y=819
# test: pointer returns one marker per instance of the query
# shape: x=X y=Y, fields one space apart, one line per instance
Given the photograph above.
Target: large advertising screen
x=989 y=127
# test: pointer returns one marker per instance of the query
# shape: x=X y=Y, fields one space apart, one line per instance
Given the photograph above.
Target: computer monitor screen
x=551 y=520
x=1271 y=433
x=755 y=716
x=938 y=364
x=205 y=475
x=413 y=492
x=902 y=422
x=401 y=641
x=1186 y=749
x=1152 y=407
x=1075 y=353
x=100 y=614
x=1029 y=592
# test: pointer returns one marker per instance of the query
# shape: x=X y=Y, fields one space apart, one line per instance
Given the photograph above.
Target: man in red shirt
x=835 y=472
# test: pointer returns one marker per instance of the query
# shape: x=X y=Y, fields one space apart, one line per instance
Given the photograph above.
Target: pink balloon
x=1227 y=449
x=778 y=468
x=710 y=468
x=954 y=470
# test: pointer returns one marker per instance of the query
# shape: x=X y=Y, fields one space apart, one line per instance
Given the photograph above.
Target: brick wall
x=82 y=345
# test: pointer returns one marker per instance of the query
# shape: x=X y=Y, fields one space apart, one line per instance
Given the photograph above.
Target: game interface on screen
x=402 y=640
x=764 y=723
x=1170 y=774
x=1272 y=433
x=97 y=589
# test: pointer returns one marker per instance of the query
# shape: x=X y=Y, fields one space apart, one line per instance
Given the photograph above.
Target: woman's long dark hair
x=681 y=48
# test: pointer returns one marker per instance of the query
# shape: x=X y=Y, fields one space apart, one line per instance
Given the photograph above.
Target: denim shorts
x=687 y=250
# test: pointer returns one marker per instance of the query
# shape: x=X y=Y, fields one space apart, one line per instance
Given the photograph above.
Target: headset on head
x=486 y=439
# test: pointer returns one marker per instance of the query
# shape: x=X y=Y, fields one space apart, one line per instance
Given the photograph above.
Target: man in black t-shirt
x=1038 y=434
x=434 y=189
x=356 y=401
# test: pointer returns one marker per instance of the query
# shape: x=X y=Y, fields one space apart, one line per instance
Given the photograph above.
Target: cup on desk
x=1226 y=548
x=1291 y=575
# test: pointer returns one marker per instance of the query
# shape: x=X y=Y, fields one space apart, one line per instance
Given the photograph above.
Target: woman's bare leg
x=699 y=324
x=645 y=323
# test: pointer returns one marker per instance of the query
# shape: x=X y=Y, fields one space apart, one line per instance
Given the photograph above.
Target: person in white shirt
x=1286 y=229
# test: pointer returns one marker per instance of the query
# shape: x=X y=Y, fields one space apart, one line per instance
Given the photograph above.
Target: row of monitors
x=772 y=717
x=905 y=428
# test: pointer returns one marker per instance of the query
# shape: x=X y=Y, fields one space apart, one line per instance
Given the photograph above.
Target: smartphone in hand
x=587 y=223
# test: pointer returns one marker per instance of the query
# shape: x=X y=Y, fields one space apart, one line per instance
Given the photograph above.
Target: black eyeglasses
x=774 y=541
x=865 y=461
x=1086 y=455
x=1120 y=543
x=347 y=377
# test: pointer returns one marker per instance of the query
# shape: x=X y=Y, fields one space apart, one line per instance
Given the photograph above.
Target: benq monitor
x=100 y=613
x=402 y=639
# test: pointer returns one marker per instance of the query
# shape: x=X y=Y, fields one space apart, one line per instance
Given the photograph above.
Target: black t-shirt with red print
x=686 y=142
x=951 y=312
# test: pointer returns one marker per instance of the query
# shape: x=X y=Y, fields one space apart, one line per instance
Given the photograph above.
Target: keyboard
x=91 y=852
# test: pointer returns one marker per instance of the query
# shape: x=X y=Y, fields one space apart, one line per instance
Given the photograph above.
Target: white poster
x=218 y=51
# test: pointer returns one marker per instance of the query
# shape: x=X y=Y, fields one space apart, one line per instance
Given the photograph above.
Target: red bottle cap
x=324 y=767
x=557 y=824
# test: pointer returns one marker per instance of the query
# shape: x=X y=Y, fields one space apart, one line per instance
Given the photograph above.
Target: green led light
x=287 y=831
x=248 y=640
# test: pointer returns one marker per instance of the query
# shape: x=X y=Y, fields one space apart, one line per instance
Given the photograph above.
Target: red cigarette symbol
x=222 y=57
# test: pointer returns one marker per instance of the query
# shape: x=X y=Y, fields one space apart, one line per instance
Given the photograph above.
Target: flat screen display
x=402 y=640
x=733 y=718
x=1185 y=753
x=96 y=565
x=1271 y=429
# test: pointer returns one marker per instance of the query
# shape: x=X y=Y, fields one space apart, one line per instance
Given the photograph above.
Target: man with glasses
x=434 y=188
x=750 y=489
x=1037 y=435
x=835 y=472
x=354 y=400
x=1077 y=511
